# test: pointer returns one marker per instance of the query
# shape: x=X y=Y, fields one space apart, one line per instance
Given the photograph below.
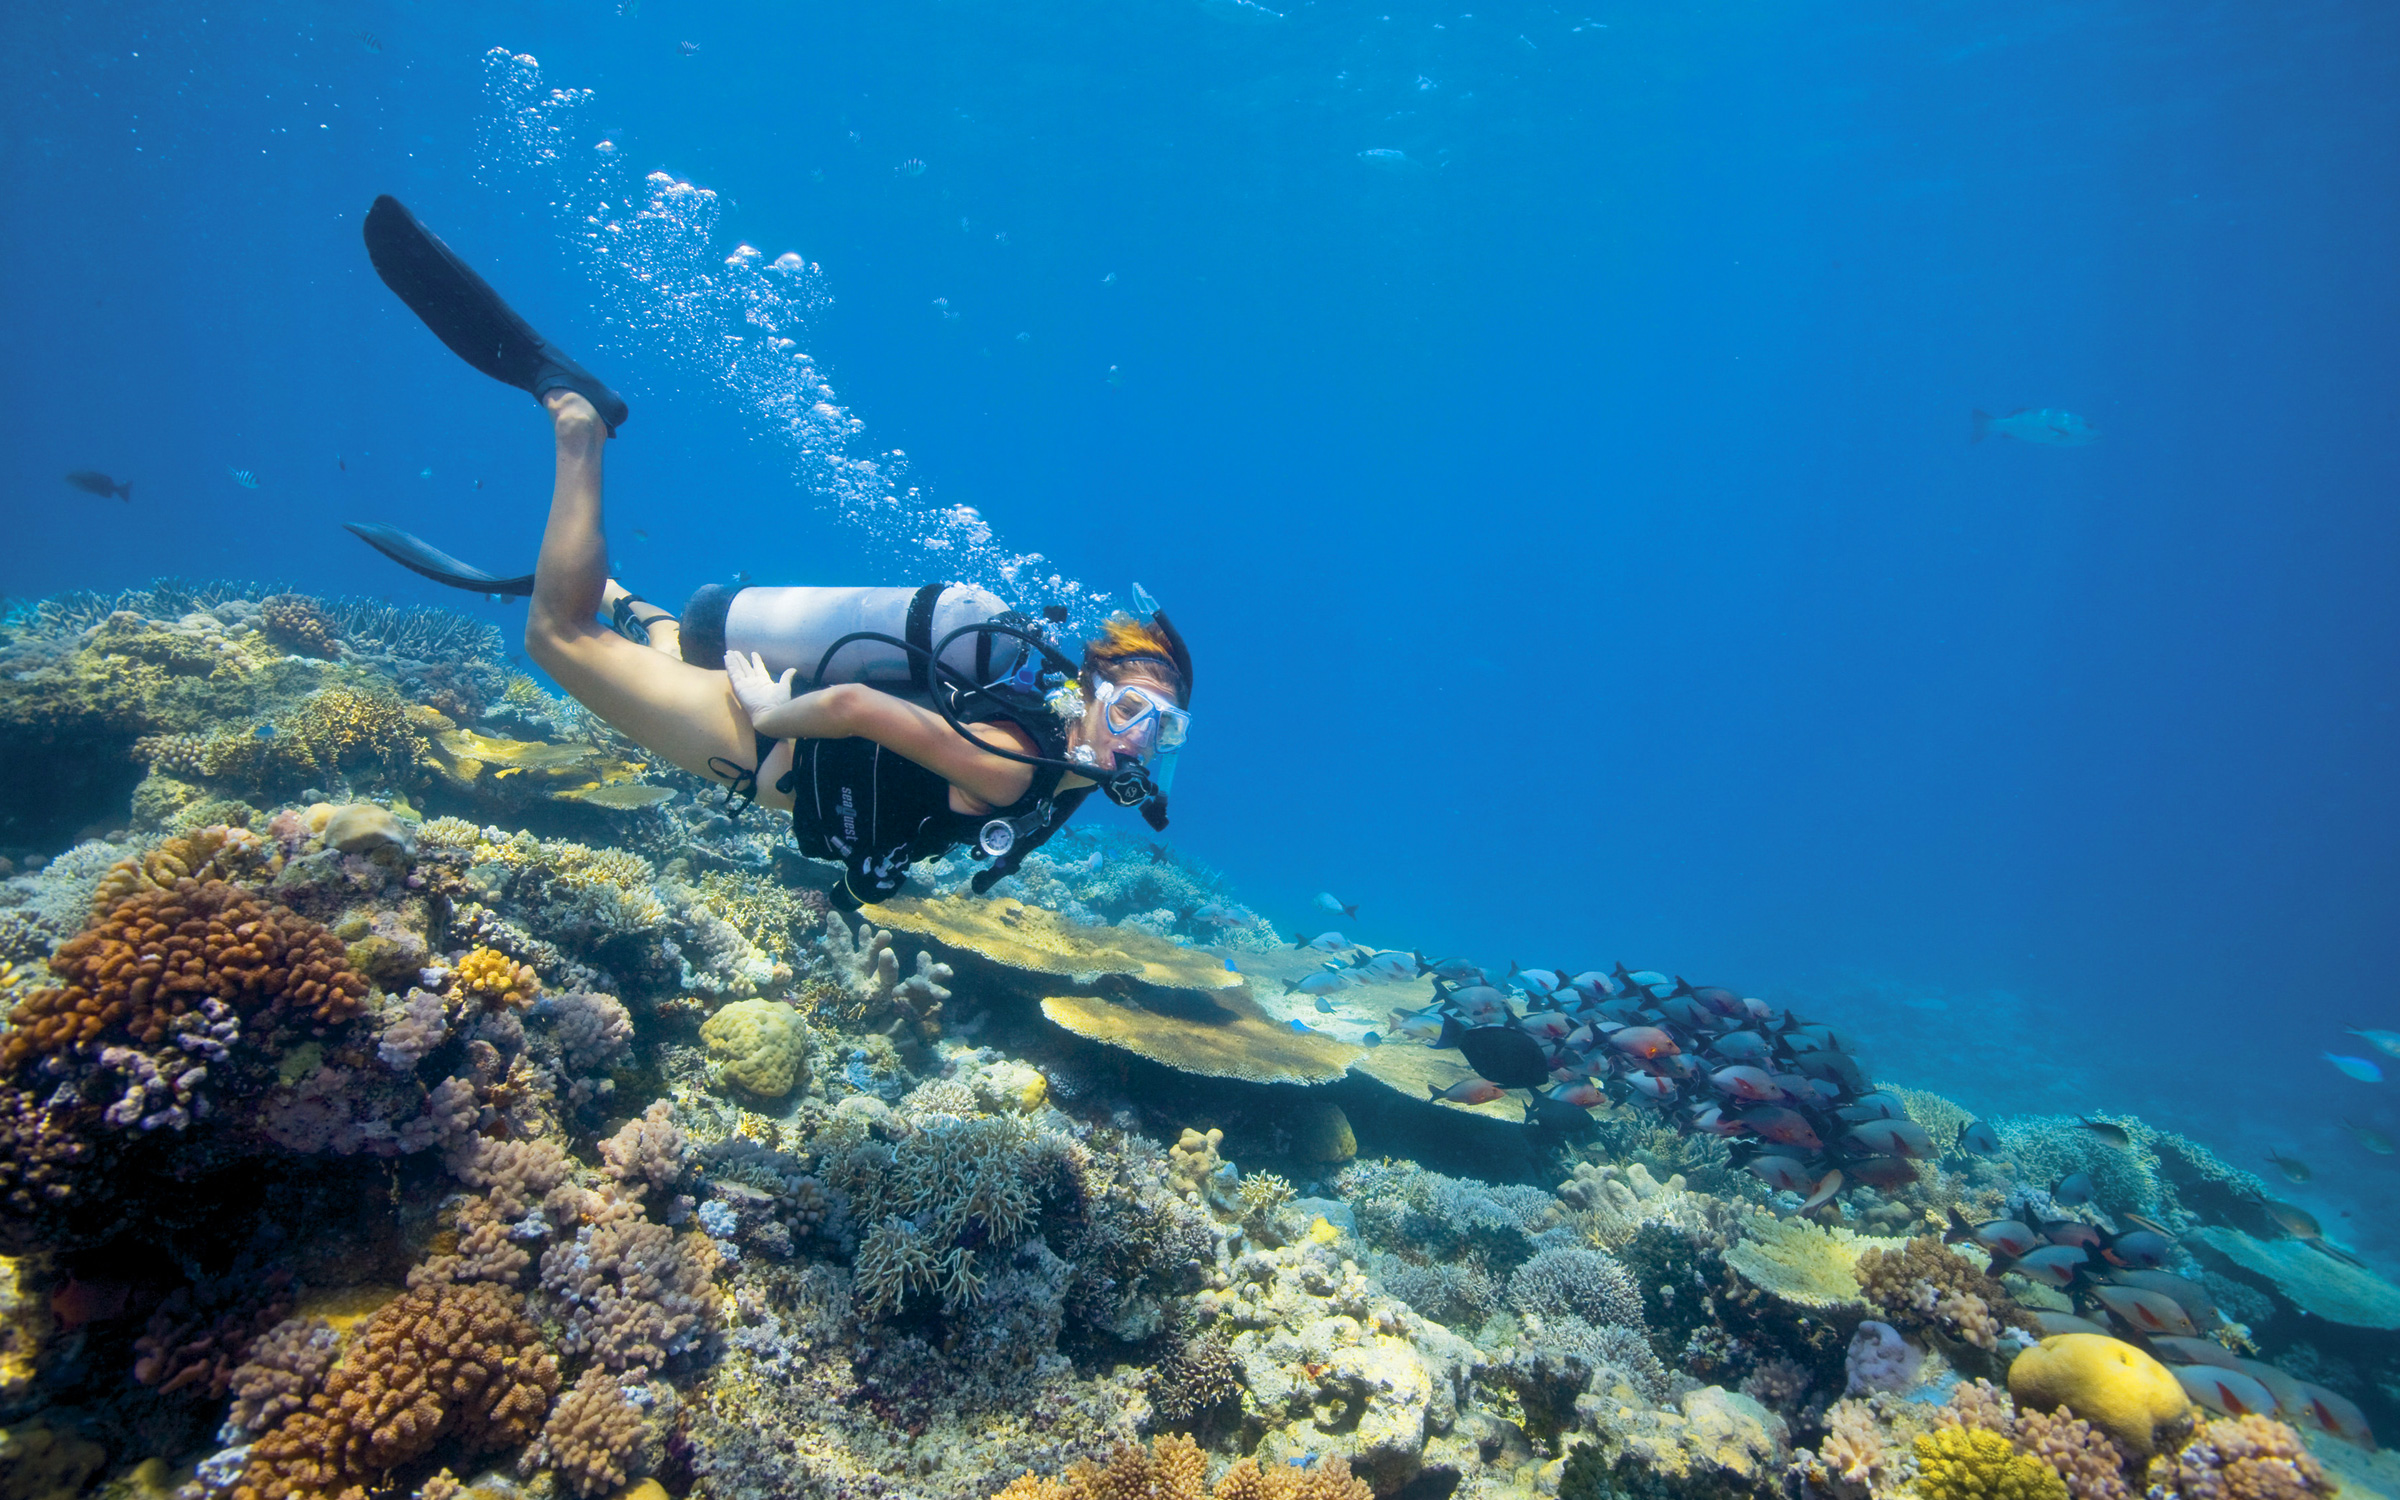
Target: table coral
x=157 y=954
x=450 y=1363
x=1964 y=1463
x=1802 y=1263
x=2242 y=1458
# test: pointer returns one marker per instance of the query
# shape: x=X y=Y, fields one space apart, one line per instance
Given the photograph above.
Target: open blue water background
x=1575 y=522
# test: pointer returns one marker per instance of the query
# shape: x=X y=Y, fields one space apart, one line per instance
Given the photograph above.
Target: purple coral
x=420 y=1024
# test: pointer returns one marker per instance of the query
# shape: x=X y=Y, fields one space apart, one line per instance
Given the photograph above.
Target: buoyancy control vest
x=868 y=809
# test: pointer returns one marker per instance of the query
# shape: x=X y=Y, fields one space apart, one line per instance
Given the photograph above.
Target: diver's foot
x=573 y=415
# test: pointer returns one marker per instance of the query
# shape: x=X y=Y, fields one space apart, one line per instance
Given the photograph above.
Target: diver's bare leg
x=680 y=712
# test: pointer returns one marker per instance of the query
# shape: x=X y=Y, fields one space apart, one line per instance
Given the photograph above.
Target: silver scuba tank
x=793 y=626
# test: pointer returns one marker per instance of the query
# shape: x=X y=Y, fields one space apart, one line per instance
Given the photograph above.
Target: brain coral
x=2110 y=1384
x=1966 y=1463
x=759 y=1045
x=446 y=1362
x=158 y=954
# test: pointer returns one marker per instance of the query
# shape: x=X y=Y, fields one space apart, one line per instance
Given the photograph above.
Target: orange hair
x=1123 y=638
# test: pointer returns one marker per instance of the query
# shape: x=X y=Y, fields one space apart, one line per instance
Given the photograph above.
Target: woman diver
x=896 y=724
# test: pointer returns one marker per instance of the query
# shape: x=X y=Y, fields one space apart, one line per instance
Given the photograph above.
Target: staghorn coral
x=2242 y=1458
x=951 y=1189
x=496 y=979
x=1568 y=1281
x=2092 y=1465
x=158 y=954
x=592 y=1436
x=447 y=1362
x=1965 y=1463
x=284 y=1365
x=1174 y=1469
x=1198 y=1377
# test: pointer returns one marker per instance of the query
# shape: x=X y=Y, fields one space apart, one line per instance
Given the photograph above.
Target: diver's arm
x=904 y=728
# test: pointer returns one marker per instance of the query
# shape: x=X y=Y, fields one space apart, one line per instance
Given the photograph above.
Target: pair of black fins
x=479 y=327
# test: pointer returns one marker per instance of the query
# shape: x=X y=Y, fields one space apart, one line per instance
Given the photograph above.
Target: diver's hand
x=753 y=687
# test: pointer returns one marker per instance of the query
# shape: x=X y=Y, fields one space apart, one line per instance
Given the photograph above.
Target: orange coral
x=1925 y=1282
x=1174 y=1469
x=442 y=1362
x=216 y=852
x=160 y=952
x=498 y=979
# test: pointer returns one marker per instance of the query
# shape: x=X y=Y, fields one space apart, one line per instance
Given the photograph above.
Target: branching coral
x=158 y=954
x=1588 y=1284
x=949 y=1189
x=285 y=1365
x=1175 y=1468
x=2242 y=1458
x=1965 y=1463
x=1198 y=1377
x=336 y=729
x=46 y=1170
x=294 y=622
x=2091 y=1464
x=496 y=979
x=868 y=969
x=634 y=1294
x=1924 y=1282
x=200 y=1336
x=591 y=1437
x=646 y=1153
x=459 y=1362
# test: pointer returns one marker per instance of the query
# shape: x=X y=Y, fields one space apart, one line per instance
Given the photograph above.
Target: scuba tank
x=795 y=627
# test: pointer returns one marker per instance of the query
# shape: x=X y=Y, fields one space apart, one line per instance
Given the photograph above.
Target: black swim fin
x=465 y=313
x=419 y=556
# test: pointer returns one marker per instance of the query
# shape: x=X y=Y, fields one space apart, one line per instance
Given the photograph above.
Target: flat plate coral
x=1237 y=1040
x=1027 y=938
x=2312 y=1280
x=1417 y=1071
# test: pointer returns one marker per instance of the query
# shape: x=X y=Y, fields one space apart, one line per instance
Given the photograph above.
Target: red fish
x=1784 y=1127
x=2151 y=1312
x=1468 y=1091
x=1645 y=1042
x=1745 y=1083
x=1581 y=1095
x=2227 y=1391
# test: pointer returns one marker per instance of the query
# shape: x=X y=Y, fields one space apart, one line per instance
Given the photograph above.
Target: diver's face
x=1092 y=729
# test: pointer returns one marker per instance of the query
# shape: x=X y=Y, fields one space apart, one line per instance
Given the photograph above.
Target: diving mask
x=1143 y=723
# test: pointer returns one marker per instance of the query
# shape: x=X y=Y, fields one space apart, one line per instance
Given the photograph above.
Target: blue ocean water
x=1550 y=425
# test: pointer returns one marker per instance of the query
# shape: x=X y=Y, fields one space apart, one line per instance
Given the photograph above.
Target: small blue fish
x=244 y=478
x=2059 y=429
x=2356 y=1067
x=1371 y=1040
x=1324 y=1006
x=1230 y=968
x=1300 y=1026
x=264 y=732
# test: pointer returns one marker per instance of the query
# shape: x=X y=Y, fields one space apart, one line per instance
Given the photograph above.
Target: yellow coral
x=760 y=1045
x=1800 y=1262
x=1966 y=1463
x=2109 y=1383
x=498 y=979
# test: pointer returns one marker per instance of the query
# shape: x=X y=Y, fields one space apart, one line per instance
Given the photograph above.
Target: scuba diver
x=895 y=723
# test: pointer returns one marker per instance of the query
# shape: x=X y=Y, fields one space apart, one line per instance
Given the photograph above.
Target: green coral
x=1962 y=1463
x=759 y=1045
x=338 y=728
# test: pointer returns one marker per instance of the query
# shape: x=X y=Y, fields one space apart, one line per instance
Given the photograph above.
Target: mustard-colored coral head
x=2107 y=1382
x=1968 y=1463
x=498 y=979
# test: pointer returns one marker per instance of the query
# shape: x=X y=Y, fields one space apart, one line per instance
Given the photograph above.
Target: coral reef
x=1966 y=1463
x=1174 y=1469
x=2242 y=1458
x=2108 y=1383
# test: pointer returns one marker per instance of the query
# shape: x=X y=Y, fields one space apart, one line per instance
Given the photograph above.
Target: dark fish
x=1979 y=1138
x=2292 y=1167
x=2073 y=1190
x=1370 y=1039
x=1503 y=1054
x=1780 y=1172
x=1556 y=1117
x=2297 y=1222
x=93 y=482
x=2373 y=1140
x=1884 y=1172
x=1876 y=1106
x=2115 y=1135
